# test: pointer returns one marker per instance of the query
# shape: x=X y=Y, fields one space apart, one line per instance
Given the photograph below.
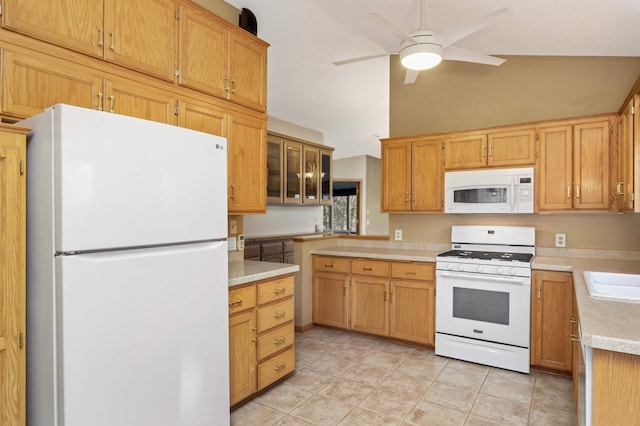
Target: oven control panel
x=513 y=271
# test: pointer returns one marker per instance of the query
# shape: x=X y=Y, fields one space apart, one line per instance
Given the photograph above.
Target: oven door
x=485 y=307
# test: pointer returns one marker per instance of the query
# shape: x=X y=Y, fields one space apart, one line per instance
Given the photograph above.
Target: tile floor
x=348 y=379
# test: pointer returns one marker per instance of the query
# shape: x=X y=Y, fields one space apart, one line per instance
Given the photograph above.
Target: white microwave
x=489 y=191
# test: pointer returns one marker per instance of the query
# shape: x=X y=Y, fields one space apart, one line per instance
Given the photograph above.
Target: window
x=342 y=215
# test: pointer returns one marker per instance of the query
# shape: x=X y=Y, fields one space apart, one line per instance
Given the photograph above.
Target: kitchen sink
x=612 y=285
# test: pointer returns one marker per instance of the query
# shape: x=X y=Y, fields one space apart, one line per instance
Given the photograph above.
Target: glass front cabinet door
x=274 y=170
x=293 y=168
x=326 y=190
x=311 y=175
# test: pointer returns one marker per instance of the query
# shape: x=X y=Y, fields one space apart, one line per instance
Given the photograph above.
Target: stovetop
x=488 y=255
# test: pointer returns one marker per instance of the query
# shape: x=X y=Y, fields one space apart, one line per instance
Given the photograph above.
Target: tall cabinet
x=12 y=274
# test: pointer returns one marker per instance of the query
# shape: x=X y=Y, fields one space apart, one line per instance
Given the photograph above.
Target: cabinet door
x=77 y=25
x=512 y=148
x=202 y=53
x=35 y=82
x=247 y=155
x=134 y=99
x=370 y=305
x=413 y=311
x=551 y=312
x=247 y=71
x=293 y=172
x=624 y=161
x=311 y=170
x=331 y=299
x=396 y=176
x=426 y=176
x=141 y=35
x=242 y=356
x=326 y=182
x=468 y=151
x=275 y=163
x=591 y=166
x=12 y=281
x=203 y=118
x=555 y=172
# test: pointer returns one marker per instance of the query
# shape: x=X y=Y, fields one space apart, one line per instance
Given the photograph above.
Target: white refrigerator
x=126 y=272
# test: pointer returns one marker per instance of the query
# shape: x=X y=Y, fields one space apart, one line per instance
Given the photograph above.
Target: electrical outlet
x=398 y=235
x=561 y=240
x=233 y=227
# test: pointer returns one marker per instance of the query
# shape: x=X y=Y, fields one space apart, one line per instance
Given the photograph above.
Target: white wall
x=377 y=222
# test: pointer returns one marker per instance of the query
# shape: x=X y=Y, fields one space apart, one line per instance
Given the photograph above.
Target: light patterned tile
x=404 y=384
x=384 y=359
x=431 y=414
x=427 y=369
x=347 y=390
x=390 y=403
x=468 y=366
x=293 y=421
x=546 y=399
x=252 y=413
x=508 y=390
x=449 y=396
x=309 y=380
x=322 y=410
x=473 y=420
x=305 y=358
x=506 y=411
x=332 y=365
x=283 y=397
x=554 y=382
x=512 y=376
x=366 y=373
x=470 y=380
x=360 y=417
x=551 y=418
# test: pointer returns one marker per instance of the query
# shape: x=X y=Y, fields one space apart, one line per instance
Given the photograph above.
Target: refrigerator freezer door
x=124 y=182
x=143 y=337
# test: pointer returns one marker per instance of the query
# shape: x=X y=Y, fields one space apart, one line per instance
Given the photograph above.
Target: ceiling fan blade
x=389 y=27
x=457 y=54
x=359 y=59
x=450 y=35
x=410 y=76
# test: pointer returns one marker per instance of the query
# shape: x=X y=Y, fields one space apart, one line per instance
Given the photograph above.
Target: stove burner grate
x=488 y=255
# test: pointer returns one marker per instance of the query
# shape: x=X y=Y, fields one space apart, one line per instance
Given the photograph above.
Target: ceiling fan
x=423 y=48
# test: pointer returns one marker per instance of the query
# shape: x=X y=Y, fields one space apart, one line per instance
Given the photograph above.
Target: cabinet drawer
x=275 y=290
x=413 y=271
x=271 y=248
x=242 y=299
x=331 y=264
x=378 y=268
x=276 y=368
x=276 y=340
x=274 y=315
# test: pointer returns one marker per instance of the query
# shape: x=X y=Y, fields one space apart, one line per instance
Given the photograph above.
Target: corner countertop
x=247 y=271
x=605 y=323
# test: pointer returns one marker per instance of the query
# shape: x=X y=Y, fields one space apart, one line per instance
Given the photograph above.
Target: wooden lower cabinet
x=13 y=274
x=386 y=298
x=552 y=320
x=616 y=400
x=261 y=335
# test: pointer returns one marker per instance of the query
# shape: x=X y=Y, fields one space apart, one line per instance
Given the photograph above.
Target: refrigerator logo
x=218 y=146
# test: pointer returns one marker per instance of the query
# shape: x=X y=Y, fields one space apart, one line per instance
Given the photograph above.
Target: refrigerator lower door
x=143 y=337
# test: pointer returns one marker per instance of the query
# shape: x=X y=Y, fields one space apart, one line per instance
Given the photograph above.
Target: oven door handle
x=480 y=277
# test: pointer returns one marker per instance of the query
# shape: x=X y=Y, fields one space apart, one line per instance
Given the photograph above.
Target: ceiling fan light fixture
x=420 y=56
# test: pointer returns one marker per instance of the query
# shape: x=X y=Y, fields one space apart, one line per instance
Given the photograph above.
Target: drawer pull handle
x=575 y=338
x=280 y=367
x=279 y=315
x=329 y=265
x=279 y=341
x=367 y=268
x=237 y=302
x=279 y=290
x=573 y=320
x=412 y=273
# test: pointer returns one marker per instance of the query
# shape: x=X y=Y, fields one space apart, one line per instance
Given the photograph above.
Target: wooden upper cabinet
x=77 y=25
x=225 y=63
x=512 y=148
x=591 y=165
x=131 y=98
x=466 y=151
x=426 y=176
x=202 y=52
x=33 y=82
x=554 y=180
x=203 y=117
x=141 y=35
x=246 y=160
x=412 y=175
x=624 y=182
x=396 y=176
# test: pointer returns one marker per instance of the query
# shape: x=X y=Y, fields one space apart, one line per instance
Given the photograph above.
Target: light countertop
x=247 y=271
x=605 y=323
